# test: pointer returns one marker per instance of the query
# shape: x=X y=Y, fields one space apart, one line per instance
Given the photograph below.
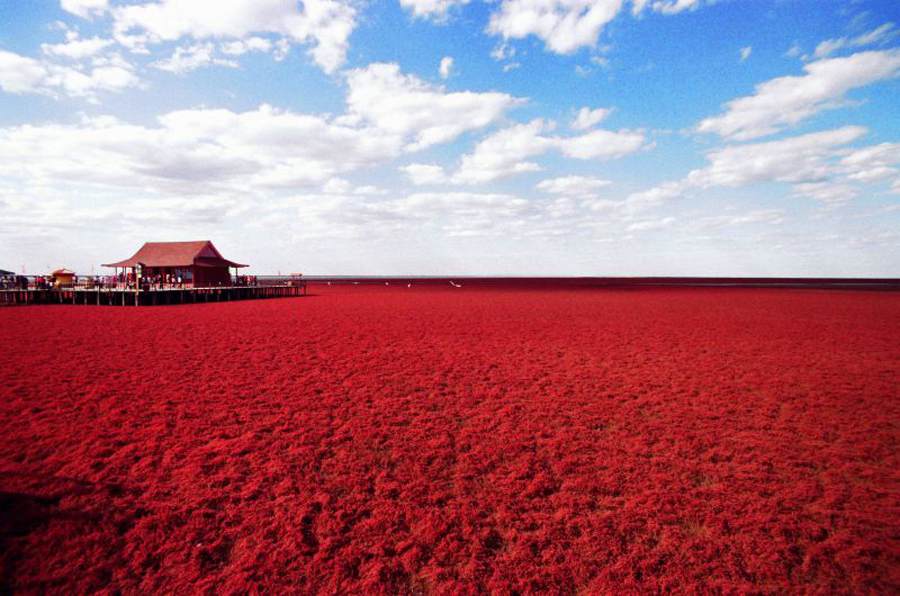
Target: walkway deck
x=147 y=297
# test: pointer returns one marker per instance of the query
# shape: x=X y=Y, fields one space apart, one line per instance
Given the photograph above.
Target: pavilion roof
x=199 y=253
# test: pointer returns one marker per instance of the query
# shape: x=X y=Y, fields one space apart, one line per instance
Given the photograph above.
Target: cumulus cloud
x=567 y=25
x=421 y=174
x=76 y=48
x=24 y=75
x=665 y=6
x=84 y=8
x=503 y=51
x=650 y=224
x=826 y=191
x=601 y=144
x=795 y=159
x=587 y=118
x=431 y=9
x=457 y=204
x=507 y=152
x=757 y=216
x=188 y=58
x=563 y=25
x=575 y=186
x=786 y=101
x=450 y=214
x=816 y=165
x=192 y=151
x=446 y=66
x=242 y=46
x=325 y=24
x=873 y=163
x=880 y=34
x=426 y=114
x=645 y=200
x=195 y=150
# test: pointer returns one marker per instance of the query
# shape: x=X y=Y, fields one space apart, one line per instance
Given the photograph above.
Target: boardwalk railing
x=113 y=292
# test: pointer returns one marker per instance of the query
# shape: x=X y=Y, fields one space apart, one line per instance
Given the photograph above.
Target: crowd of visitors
x=120 y=281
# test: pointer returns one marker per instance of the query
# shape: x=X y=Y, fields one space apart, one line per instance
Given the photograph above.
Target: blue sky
x=530 y=137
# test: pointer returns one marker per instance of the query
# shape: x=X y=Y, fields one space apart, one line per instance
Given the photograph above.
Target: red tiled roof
x=200 y=253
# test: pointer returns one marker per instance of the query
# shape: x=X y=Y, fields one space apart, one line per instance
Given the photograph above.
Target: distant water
x=613 y=282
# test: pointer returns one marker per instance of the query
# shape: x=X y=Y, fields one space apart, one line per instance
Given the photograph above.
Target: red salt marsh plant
x=454 y=440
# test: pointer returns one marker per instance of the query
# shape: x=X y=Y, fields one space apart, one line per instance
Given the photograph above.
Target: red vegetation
x=454 y=440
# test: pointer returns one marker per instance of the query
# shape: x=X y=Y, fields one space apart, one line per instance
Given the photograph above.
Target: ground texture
x=458 y=440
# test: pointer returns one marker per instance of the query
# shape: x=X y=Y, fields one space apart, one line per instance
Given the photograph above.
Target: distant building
x=198 y=263
x=63 y=278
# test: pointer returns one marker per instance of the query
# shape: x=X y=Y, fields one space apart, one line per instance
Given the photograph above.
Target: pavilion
x=198 y=263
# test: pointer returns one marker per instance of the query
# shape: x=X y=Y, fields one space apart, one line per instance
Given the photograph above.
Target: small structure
x=197 y=263
x=7 y=279
x=158 y=273
x=63 y=278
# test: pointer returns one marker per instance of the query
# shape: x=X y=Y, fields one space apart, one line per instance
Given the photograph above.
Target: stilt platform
x=147 y=297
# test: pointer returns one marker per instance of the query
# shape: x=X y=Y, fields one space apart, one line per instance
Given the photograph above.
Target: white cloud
x=458 y=204
x=795 y=51
x=808 y=162
x=326 y=24
x=745 y=53
x=567 y=25
x=192 y=152
x=873 y=163
x=450 y=214
x=77 y=49
x=446 y=66
x=564 y=25
x=826 y=191
x=665 y=6
x=337 y=186
x=506 y=152
x=84 y=8
x=601 y=144
x=425 y=114
x=574 y=186
x=242 y=46
x=786 y=101
x=587 y=118
x=651 y=198
x=188 y=58
x=757 y=216
x=431 y=9
x=650 y=224
x=503 y=51
x=880 y=34
x=421 y=173
x=796 y=159
x=20 y=75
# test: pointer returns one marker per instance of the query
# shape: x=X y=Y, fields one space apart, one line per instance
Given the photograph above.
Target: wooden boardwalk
x=148 y=297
